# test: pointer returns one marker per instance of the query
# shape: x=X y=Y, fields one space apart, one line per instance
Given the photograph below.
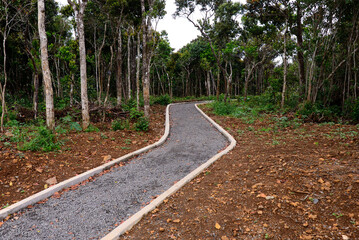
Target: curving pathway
x=93 y=210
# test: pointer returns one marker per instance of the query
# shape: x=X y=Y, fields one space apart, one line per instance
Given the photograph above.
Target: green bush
x=120 y=124
x=222 y=108
x=142 y=124
x=135 y=114
x=92 y=128
x=129 y=105
x=162 y=100
x=42 y=139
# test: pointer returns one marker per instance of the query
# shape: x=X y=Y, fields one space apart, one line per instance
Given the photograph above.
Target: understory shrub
x=120 y=124
x=223 y=108
x=162 y=100
x=42 y=139
x=142 y=124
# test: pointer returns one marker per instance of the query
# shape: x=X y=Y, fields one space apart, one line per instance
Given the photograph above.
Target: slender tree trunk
x=218 y=80
x=300 y=49
x=138 y=59
x=79 y=16
x=146 y=78
x=119 y=67
x=49 y=99
x=109 y=76
x=72 y=89
x=35 y=98
x=129 y=66
x=284 y=64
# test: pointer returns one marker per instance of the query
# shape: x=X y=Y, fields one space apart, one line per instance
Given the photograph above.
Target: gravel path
x=93 y=210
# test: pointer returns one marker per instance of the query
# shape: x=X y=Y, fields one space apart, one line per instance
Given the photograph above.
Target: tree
x=50 y=115
x=10 y=15
x=79 y=10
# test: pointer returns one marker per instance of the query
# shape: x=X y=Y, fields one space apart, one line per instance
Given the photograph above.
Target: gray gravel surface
x=93 y=210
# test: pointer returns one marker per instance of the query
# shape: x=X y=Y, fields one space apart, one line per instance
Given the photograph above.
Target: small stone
x=269 y=197
x=162 y=229
x=51 y=181
x=176 y=221
x=305 y=224
x=345 y=237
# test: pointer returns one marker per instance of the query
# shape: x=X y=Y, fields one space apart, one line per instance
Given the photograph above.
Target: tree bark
x=50 y=115
x=300 y=49
x=284 y=64
x=138 y=59
x=129 y=65
x=145 y=59
x=119 y=67
x=79 y=16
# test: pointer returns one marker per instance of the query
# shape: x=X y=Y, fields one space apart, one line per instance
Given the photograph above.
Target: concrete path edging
x=129 y=223
x=83 y=176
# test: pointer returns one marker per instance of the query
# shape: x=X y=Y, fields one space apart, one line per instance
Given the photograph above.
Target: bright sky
x=180 y=30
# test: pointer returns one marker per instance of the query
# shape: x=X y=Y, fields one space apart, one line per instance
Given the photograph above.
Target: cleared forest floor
x=282 y=181
x=24 y=173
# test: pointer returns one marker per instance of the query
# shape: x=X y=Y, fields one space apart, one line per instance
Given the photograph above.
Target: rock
x=345 y=237
x=162 y=229
x=269 y=197
x=51 y=181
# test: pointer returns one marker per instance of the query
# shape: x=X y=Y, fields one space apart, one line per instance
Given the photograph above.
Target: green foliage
x=129 y=105
x=161 y=100
x=135 y=114
x=92 y=128
x=223 y=108
x=42 y=139
x=120 y=124
x=142 y=124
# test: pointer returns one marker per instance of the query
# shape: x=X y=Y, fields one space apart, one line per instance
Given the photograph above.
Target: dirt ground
x=280 y=182
x=24 y=173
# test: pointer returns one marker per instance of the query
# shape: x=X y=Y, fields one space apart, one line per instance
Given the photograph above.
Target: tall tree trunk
x=109 y=76
x=284 y=64
x=129 y=65
x=79 y=16
x=300 y=49
x=146 y=78
x=49 y=99
x=218 y=80
x=119 y=67
x=138 y=59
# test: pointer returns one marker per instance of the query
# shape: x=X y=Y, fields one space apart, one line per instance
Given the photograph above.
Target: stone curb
x=79 y=178
x=129 y=223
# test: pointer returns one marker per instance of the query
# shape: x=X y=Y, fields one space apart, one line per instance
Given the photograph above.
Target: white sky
x=180 y=30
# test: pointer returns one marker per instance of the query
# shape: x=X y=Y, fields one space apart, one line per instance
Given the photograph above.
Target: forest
x=299 y=56
x=85 y=84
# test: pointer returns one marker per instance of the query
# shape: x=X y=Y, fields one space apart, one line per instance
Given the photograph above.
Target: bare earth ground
x=292 y=183
x=25 y=173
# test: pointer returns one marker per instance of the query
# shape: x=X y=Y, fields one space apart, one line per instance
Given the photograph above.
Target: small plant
x=142 y=124
x=128 y=141
x=125 y=148
x=134 y=114
x=42 y=139
x=92 y=128
x=120 y=124
x=103 y=136
x=337 y=215
x=7 y=144
x=75 y=126
x=5 y=206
